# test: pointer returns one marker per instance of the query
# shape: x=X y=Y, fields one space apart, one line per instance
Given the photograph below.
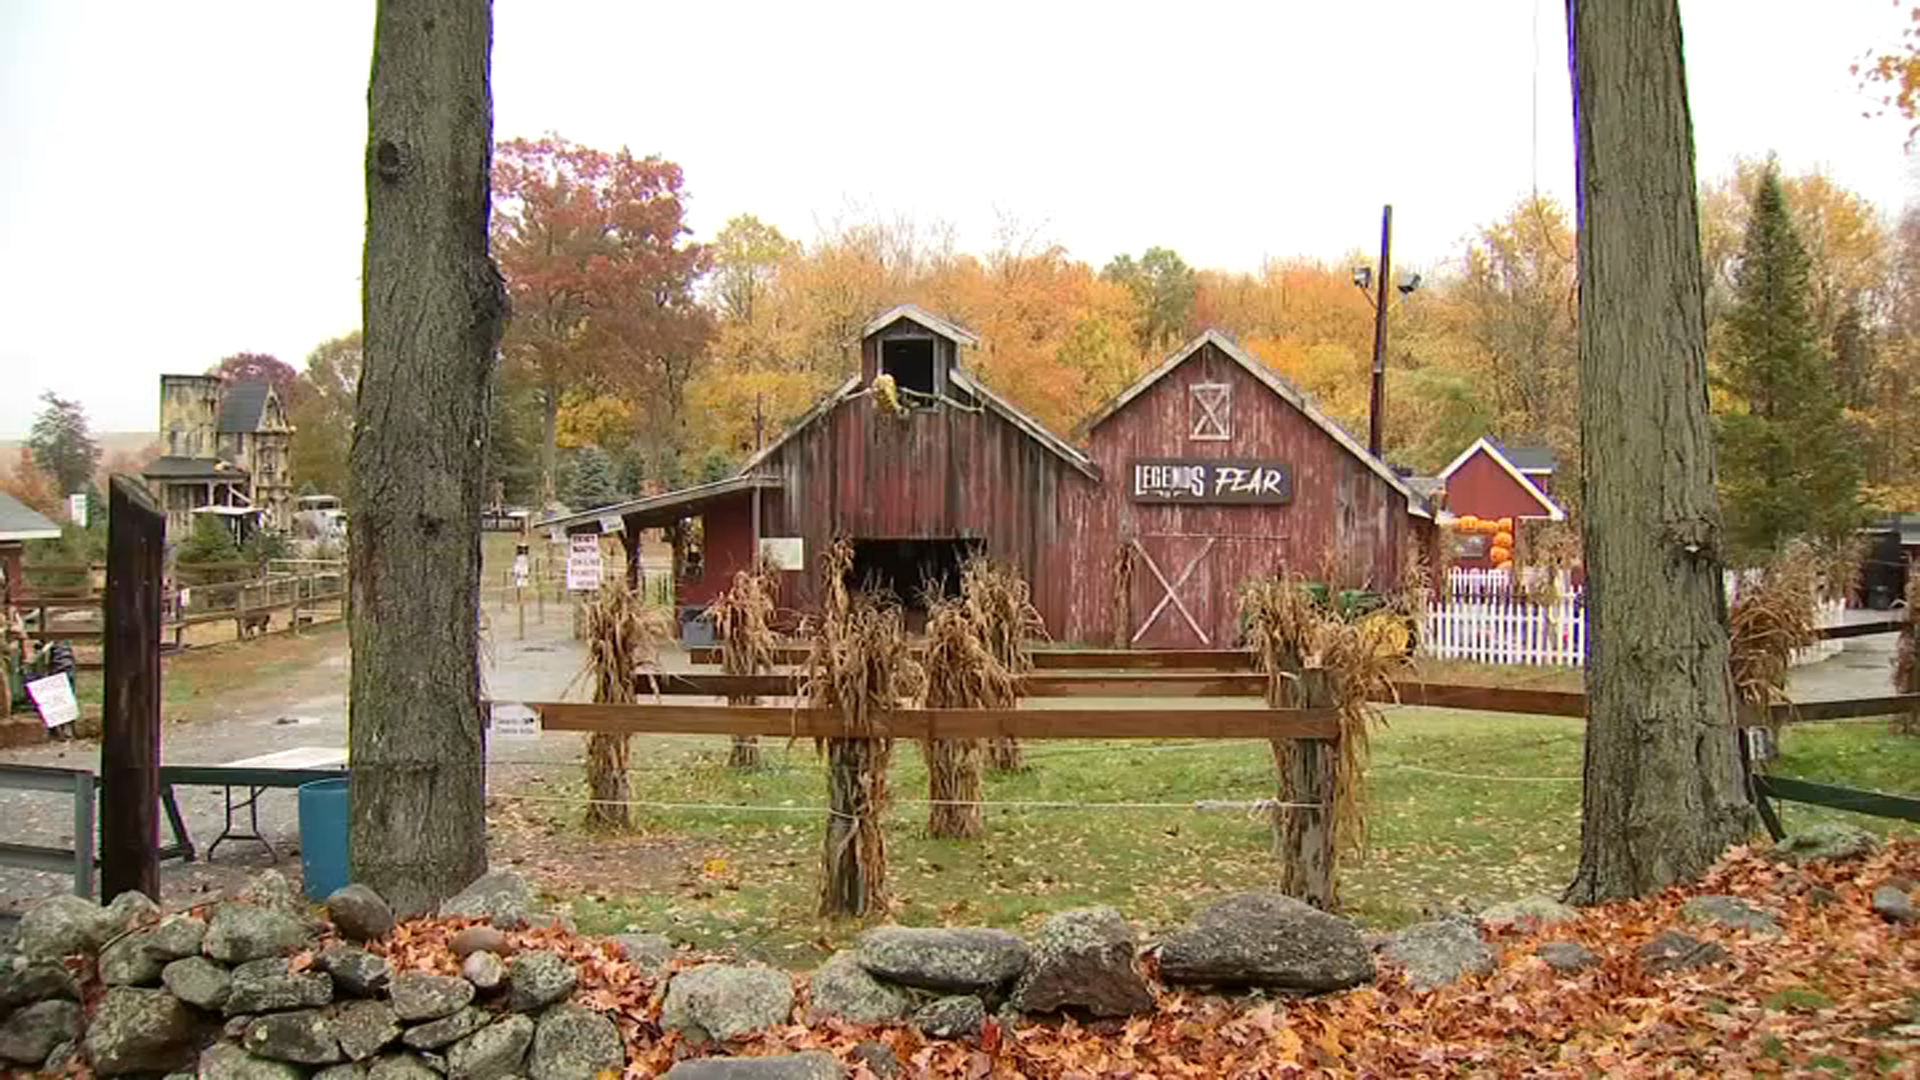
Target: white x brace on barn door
x=1185 y=560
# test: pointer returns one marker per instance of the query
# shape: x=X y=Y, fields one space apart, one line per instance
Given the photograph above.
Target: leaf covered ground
x=1836 y=993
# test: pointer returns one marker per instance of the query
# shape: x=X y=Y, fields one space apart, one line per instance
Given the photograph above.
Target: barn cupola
x=918 y=349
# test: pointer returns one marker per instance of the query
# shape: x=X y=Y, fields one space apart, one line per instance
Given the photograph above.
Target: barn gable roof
x=1272 y=381
x=1549 y=509
x=925 y=318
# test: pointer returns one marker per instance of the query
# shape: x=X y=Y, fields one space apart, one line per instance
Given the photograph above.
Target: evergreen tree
x=593 y=480
x=61 y=443
x=1787 y=464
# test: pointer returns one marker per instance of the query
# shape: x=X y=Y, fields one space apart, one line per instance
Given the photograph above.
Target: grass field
x=1464 y=809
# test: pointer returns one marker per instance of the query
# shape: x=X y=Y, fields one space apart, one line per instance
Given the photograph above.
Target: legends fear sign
x=1176 y=480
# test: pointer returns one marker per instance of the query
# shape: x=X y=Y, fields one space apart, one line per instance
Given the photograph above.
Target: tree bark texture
x=433 y=308
x=1662 y=795
x=854 y=881
x=1303 y=820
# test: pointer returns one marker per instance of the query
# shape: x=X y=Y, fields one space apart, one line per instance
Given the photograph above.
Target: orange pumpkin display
x=1503 y=565
x=1506 y=524
x=1500 y=556
x=1503 y=539
x=1467 y=523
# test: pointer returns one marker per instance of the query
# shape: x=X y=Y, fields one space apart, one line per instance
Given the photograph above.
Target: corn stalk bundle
x=962 y=673
x=1000 y=605
x=743 y=619
x=1770 y=621
x=1121 y=615
x=1361 y=660
x=860 y=666
x=624 y=637
x=1906 y=661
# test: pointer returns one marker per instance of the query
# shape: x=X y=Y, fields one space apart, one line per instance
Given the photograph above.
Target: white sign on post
x=512 y=720
x=557 y=535
x=520 y=571
x=583 y=563
x=77 y=509
x=613 y=523
x=784 y=552
x=53 y=696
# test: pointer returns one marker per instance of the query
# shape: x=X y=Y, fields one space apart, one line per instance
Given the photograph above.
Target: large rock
x=136 y=959
x=1893 y=904
x=952 y=1018
x=844 y=989
x=359 y=913
x=271 y=889
x=572 y=1043
x=447 y=1030
x=365 y=1028
x=494 y=1052
x=268 y=986
x=225 y=1061
x=199 y=982
x=305 y=1037
x=30 y=1034
x=716 y=1002
x=136 y=1030
x=954 y=960
x=1671 y=950
x=355 y=971
x=419 y=996
x=36 y=981
x=1566 y=955
x=1084 y=960
x=128 y=910
x=812 y=1065
x=400 y=1067
x=484 y=970
x=60 y=926
x=352 y=1070
x=1528 y=913
x=1266 y=939
x=1730 y=912
x=537 y=980
x=1826 y=840
x=1438 y=953
x=177 y=936
x=648 y=952
x=501 y=897
x=240 y=932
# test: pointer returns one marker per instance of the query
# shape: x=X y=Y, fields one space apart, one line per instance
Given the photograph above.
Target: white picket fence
x=1483 y=620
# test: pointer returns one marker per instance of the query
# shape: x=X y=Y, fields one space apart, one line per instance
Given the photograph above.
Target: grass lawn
x=1464 y=808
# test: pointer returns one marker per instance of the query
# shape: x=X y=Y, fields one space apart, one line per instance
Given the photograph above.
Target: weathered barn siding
x=1482 y=488
x=726 y=547
x=941 y=473
x=1341 y=511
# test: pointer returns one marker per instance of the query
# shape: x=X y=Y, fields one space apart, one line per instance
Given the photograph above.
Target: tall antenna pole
x=1376 y=406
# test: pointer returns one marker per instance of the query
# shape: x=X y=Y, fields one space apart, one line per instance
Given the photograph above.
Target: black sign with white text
x=1174 y=480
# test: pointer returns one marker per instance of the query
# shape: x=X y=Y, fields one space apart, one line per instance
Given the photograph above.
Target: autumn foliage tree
x=596 y=255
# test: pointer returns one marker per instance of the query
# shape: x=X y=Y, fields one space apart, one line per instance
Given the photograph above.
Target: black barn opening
x=908 y=569
x=910 y=362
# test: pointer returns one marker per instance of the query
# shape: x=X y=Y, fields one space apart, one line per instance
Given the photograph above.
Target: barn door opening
x=1174 y=588
x=907 y=568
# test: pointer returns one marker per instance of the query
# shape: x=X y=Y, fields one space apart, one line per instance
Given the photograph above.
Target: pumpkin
x=1506 y=524
x=1503 y=539
x=1467 y=523
x=1500 y=556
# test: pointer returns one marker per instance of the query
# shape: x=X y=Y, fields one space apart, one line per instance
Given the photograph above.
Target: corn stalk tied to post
x=1770 y=620
x=743 y=618
x=962 y=673
x=1000 y=605
x=624 y=637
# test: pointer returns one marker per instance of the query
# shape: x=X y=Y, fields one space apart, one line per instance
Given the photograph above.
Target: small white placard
x=613 y=523
x=512 y=720
x=520 y=571
x=77 y=509
x=583 y=563
x=556 y=535
x=53 y=696
x=784 y=552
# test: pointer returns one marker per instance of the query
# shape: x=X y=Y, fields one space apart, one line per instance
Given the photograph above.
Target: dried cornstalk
x=1000 y=605
x=743 y=619
x=1121 y=615
x=1906 y=662
x=1770 y=621
x=859 y=665
x=624 y=637
x=961 y=674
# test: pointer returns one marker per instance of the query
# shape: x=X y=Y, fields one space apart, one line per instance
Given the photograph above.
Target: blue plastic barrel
x=324 y=863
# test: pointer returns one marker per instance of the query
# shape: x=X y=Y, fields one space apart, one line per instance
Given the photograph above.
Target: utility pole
x=1377 y=402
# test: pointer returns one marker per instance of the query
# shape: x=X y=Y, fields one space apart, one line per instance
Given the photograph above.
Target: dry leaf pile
x=1837 y=993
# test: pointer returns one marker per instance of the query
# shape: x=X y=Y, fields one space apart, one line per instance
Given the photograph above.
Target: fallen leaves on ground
x=1837 y=992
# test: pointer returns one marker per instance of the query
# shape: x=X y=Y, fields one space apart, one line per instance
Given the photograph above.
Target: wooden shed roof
x=1272 y=381
x=1548 y=508
x=925 y=318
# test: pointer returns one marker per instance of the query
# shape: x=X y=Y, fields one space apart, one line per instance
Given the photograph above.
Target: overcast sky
x=181 y=181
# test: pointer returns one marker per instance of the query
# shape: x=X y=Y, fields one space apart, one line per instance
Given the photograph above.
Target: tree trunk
x=433 y=306
x=549 y=443
x=1663 y=795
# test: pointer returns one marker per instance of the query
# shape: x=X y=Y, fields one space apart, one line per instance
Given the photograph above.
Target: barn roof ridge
x=1273 y=381
x=1554 y=512
x=925 y=318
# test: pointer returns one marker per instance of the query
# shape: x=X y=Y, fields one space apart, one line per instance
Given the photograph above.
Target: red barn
x=1492 y=481
x=1215 y=470
x=1210 y=470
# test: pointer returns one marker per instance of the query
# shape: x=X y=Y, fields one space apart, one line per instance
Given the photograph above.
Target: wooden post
x=130 y=729
x=293 y=616
x=520 y=603
x=1303 y=834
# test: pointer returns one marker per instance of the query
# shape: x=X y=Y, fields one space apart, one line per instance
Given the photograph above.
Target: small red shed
x=1216 y=470
x=1490 y=481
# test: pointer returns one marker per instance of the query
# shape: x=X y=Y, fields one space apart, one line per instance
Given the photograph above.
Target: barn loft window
x=1210 y=412
x=910 y=362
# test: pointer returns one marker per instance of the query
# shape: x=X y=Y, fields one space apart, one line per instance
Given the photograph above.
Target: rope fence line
x=1204 y=805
